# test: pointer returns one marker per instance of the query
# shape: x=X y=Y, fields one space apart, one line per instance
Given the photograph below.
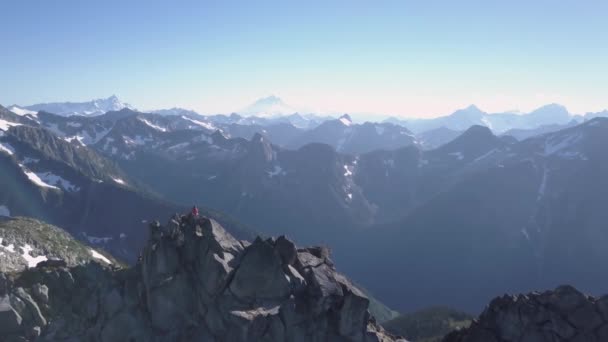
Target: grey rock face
x=564 y=315
x=10 y=320
x=194 y=282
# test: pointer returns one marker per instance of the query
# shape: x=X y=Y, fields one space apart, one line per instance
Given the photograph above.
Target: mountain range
x=458 y=204
x=88 y=108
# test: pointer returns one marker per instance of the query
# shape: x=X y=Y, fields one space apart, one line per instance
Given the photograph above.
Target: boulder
x=260 y=274
x=40 y=292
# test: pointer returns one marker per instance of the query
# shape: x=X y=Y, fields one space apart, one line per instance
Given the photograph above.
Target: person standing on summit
x=194 y=212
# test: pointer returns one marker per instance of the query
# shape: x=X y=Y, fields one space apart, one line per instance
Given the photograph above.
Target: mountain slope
x=72 y=186
x=25 y=242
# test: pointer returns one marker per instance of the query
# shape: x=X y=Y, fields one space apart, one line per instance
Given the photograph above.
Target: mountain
x=564 y=314
x=525 y=216
x=345 y=136
x=434 y=138
x=194 y=282
x=89 y=108
x=602 y=114
x=523 y=134
x=268 y=107
x=71 y=185
x=479 y=206
x=552 y=114
x=25 y=242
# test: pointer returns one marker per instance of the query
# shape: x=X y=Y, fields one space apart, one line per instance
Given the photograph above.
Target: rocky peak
x=261 y=148
x=193 y=282
x=563 y=314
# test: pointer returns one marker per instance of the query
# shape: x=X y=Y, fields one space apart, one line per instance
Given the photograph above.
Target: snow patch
x=206 y=125
x=22 y=111
x=84 y=138
x=179 y=146
x=5 y=125
x=555 y=144
x=4 y=211
x=138 y=140
x=487 y=123
x=278 y=171
x=348 y=171
x=458 y=155
x=119 y=181
x=28 y=160
x=7 y=148
x=34 y=178
x=345 y=121
x=485 y=155
x=156 y=127
x=525 y=232
x=99 y=256
x=543 y=184
x=212 y=177
x=9 y=248
x=49 y=180
x=74 y=124
x=31 y=261
x=97 y=240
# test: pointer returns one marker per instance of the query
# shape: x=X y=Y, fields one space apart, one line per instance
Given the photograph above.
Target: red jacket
x=194 y=211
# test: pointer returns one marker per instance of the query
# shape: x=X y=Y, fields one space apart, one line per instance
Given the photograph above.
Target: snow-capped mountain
x=46 y=176
x=88 y=108
x=268 y=107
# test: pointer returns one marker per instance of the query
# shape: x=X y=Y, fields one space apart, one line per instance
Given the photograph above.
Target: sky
x=402 y=58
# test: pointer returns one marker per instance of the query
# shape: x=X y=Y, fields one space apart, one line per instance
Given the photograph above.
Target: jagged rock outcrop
x=193 y=282
x=563 y=315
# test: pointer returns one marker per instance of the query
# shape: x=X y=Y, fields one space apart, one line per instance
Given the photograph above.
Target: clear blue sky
x=414 y=58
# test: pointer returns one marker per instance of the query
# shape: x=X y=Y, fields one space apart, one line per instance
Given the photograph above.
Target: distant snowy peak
x=89 y=108
x=268 y=107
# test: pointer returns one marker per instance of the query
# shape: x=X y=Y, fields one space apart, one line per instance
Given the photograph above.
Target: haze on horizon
x=403 y=58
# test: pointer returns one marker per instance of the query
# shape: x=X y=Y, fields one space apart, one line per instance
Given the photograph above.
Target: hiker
x=193 y=215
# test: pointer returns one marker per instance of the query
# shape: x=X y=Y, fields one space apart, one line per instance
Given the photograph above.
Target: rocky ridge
x=193 y=282
x=564 y=315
